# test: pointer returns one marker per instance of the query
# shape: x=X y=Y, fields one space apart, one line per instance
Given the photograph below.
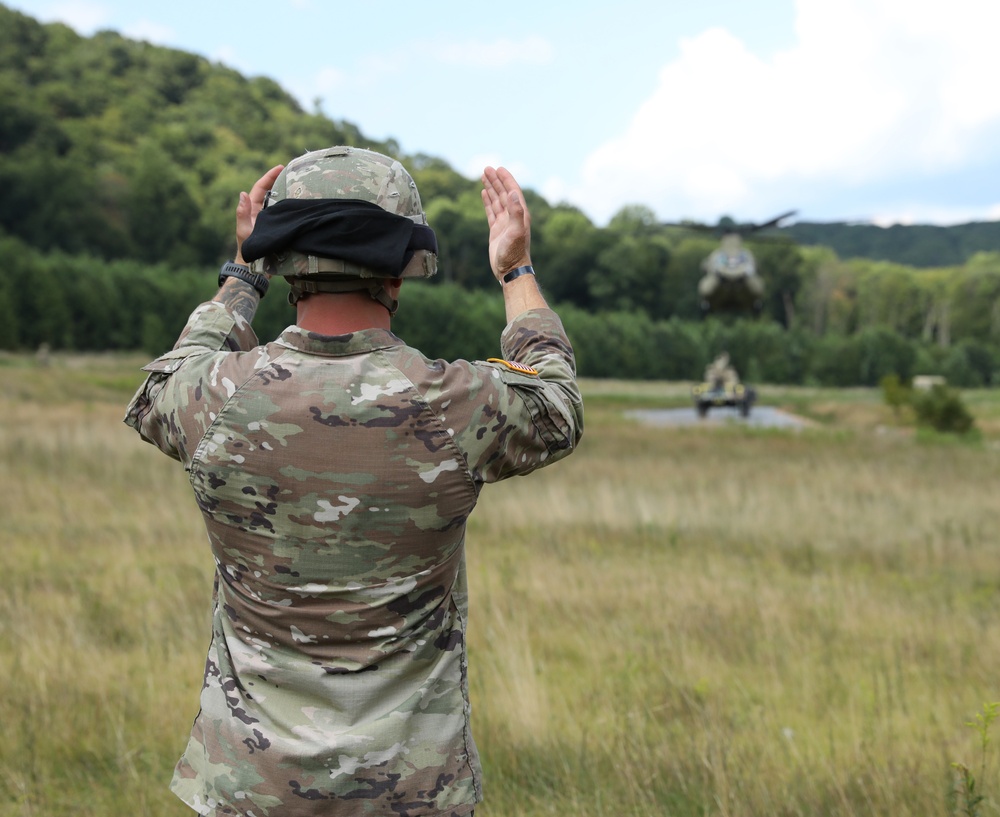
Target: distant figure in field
x=336 y=468
x=720 y=372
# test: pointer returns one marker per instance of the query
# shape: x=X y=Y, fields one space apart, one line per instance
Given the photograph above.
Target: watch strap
x=233 y=270
x=517 y=272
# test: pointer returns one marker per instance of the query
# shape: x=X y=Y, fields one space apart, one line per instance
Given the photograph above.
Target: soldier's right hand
x=250 y=205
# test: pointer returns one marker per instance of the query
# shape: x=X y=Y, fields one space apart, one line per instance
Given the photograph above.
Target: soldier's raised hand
x=508 y=219
x=250 y=205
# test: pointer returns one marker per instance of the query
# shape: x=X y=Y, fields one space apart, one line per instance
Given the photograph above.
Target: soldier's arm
x=511 y=416
x=238 y=297
x=510 y=242
x=152 y=411
x=521 y=294
x=534 y=415
x=170 y=403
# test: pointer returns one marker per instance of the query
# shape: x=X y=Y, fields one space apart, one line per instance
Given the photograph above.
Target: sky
x=844 y=110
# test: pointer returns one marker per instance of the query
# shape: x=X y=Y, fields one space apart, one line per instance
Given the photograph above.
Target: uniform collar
x=355 y=343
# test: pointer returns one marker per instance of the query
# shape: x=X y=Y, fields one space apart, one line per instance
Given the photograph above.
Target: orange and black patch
x=514 y=367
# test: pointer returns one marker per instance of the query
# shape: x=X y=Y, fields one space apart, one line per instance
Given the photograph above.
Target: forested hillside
x=120 y=163
x=121 y=149
x=919 y=245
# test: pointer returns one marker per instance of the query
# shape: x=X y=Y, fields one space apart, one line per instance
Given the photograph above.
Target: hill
x=121 y=149
x=917 y=245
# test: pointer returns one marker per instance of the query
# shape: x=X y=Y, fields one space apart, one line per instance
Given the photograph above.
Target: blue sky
x=886 y=110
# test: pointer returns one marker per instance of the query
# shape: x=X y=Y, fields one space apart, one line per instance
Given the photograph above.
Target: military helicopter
x=730 y=282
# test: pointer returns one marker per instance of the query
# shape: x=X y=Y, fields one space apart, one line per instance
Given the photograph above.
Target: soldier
x=720 y=372
x=335 y=468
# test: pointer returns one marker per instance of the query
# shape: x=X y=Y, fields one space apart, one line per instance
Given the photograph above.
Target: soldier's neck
x=340 y=314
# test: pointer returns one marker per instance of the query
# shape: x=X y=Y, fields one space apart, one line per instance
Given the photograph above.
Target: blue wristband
x=517 y=272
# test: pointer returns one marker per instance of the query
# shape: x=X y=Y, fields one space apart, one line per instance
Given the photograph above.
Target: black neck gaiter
x=346 y=229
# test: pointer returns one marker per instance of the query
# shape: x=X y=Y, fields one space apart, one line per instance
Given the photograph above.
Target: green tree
x=42 y=307
x=677 y=351
x=883 y=352
x=975 y=299
x=436 y=179
x=629 y=275
x=891 y=296
x=779 y=264
x=567 y=252
x=462 y=235
x=836 y=361
x=164 y=222
x=681 y=277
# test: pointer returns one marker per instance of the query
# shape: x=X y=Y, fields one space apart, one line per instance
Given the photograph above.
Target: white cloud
x=872 y=89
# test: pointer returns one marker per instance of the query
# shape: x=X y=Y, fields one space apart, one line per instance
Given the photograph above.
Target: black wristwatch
x=233 y=270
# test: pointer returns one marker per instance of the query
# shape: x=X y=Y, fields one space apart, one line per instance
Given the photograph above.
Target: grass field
x=691 y=621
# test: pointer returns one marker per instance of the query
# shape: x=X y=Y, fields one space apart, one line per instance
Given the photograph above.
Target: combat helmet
x=343 y=219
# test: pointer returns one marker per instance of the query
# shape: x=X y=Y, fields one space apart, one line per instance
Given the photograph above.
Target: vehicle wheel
x=702 y=409
x=745 y=409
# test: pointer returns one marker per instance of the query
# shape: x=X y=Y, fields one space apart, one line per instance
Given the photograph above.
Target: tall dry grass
x=672 y=622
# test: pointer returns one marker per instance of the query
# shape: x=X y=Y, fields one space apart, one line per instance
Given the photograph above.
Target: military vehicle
x=722 y=388
x=708 y=395
x=730 y=282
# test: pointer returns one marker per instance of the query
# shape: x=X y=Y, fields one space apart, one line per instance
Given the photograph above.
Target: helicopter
x=730 y=282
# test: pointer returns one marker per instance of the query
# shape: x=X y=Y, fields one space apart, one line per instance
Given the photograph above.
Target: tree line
x=918 y=245
x=120 y=162
x=71 y=302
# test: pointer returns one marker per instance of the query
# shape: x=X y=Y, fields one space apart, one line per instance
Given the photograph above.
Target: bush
x=942 y=409
x=895 y=392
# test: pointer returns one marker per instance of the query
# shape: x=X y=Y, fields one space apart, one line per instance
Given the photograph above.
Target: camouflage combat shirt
x=335 y=476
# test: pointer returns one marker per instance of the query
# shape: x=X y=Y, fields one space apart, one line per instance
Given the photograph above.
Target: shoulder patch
x=514 y=367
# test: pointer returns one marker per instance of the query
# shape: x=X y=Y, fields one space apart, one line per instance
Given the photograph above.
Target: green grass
x=691 y=621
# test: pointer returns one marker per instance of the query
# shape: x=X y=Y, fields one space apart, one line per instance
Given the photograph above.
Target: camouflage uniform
x=335 y=476
x=720 y=373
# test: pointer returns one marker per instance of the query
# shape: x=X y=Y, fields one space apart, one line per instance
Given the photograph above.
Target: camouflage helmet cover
x=343 y=172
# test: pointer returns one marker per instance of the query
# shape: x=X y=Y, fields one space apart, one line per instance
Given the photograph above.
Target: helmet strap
x=300 y=287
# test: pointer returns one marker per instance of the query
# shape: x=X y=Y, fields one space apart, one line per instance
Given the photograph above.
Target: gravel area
x=761 y=416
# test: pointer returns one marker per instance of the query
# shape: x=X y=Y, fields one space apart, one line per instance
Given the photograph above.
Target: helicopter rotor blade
x=774 y=221
x=728 y=226
x=695 y=226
